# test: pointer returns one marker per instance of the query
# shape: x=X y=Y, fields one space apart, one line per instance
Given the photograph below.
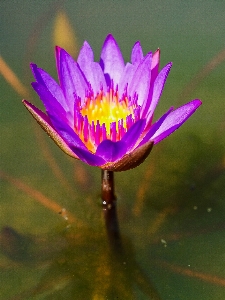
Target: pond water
x=171 y=209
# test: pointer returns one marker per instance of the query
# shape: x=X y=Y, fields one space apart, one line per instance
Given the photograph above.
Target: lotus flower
x=102 y=112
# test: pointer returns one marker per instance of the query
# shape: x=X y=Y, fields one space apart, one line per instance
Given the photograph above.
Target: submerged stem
x=109 y=210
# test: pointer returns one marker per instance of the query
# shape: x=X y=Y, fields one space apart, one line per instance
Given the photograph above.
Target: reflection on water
x=77 y=265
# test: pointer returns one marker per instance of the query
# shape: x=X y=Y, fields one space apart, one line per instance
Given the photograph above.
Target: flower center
x=104 y=117
x=106 y=109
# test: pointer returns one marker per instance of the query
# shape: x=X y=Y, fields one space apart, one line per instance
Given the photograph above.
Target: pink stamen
x=113 y=131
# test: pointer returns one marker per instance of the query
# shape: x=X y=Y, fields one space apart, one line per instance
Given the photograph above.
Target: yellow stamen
x=106 y=109
x=104 y=117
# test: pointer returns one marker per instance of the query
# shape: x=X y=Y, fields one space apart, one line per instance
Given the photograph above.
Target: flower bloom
x=102 y=112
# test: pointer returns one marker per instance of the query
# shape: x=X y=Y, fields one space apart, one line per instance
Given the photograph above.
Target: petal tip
x=109 y=37
x=198 y=102
x=58 y=49
x=25 y=102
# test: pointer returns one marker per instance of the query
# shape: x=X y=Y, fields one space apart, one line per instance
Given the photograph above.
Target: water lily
x=102 y=112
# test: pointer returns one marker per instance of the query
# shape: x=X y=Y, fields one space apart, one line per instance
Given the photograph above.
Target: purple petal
x=88 y=157
x=151 y=102
x=111 y=60
x=51 y=104
x=133 y=134
x=98 y=81
x=71 y=78
x=45 y=79
x=45 y=123
x=128 y=73
x=174 y=120
x=58 y=116
x=154 y=128
x=92 y=70
x=111 y=151
x=137 y=54
x=159 y=85
x=66 y=132
x=86 y=54
x=140 y=83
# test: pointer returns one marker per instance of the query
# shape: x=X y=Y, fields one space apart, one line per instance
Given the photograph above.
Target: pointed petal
x=154 y=128
x=45 y=79
x=91 y=70
x=137 y=54
x=151 y=102
x=133 y=134
x=140 y=83
x=58 y=116
x=50 y=102
x=175 y=119
x=111 y=151
x=97 y=81
x=111 y=60
x=127 y=75
x=71 y=78
x=45 y=123
x=66 y=132
x=159 y=85
x=88 y=157
x=86 y=54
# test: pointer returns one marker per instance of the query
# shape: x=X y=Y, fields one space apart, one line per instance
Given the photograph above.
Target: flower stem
x=109 y=210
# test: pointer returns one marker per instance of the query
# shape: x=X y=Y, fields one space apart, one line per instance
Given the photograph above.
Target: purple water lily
x=102 y=112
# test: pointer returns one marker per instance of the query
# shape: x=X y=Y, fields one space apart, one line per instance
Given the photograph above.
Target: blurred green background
x=171 y=209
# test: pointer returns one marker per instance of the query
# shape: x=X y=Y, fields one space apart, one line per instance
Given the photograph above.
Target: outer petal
x=154 y=128
x=151 y=101
x=130 y=160
x=51 y=104
x=92 y=70
x=140 y=83
x=58 y=116
x=45 y=79
x=111 y=151
x=45 y=123
x=137 y=54
x=67 y=133
x=111 y=60
x=175 y=119
x=88 y=157
x=71 y=78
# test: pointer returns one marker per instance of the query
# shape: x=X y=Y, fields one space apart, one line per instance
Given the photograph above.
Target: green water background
x=184 y=189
